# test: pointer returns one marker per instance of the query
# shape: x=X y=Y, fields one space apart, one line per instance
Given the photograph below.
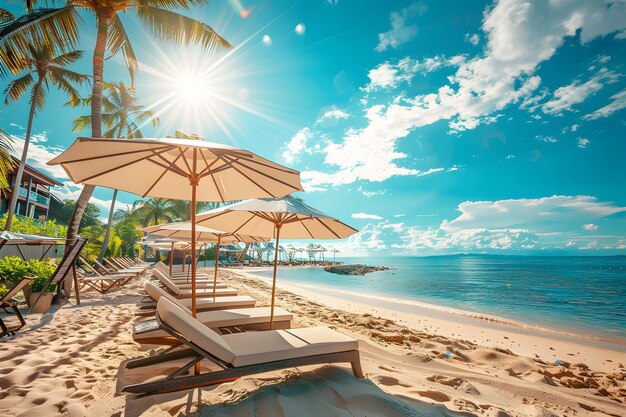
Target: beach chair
x=134 y=272
x=184 y=277
x=202 y=303
x=8 y=302
x=228 y=320
x=184 y=284
x=240 y=354
x=99 y=282
x=179 y=292
x=119 y=265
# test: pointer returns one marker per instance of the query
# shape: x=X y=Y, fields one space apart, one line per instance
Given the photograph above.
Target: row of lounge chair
x=119 y=272
x=229 y=332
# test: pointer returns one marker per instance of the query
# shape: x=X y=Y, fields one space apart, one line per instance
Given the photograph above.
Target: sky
x=432 y=127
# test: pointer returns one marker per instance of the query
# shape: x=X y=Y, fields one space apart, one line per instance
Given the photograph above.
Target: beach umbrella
x=285 y=217
x=184 y=169
x=182 y=231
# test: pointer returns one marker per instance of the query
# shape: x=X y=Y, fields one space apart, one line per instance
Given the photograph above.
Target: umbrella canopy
x=165 y=167
x=184 y=169
x=182 y=230
x=285 y=217
x=258 y=217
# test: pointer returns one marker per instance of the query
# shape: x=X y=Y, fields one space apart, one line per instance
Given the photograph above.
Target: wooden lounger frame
x=7 y=302
x=104 y=283
x=176 y=381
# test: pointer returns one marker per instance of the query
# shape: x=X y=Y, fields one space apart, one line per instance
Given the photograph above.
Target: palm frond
x=81 y=123
x=181 y=30
x=66 y=58
x=142 y=116
x=5 y=16
x=38 y=95
x=118 y=40
x=16 y=88
x=54 y=28
x=174 y=4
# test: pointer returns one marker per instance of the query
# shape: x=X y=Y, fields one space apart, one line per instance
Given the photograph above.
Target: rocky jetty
x=354 y=269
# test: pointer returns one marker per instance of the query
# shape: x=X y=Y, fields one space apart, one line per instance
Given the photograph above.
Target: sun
x=191 y=87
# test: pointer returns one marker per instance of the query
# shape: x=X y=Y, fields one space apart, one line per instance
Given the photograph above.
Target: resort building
x=35 y=197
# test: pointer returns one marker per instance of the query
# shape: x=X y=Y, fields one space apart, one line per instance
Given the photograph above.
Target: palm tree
x=153 y=211
x=45 y=68
x=121 y=113
x=59 y=26
x=180 y=210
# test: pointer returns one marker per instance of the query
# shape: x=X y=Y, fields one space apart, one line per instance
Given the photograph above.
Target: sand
x=71 y=362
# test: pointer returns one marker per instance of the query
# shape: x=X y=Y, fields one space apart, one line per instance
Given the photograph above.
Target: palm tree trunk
x=20 y=170
x=103 y=21
x=105 y=242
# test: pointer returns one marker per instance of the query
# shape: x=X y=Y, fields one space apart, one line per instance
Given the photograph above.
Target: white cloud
x=590 y=227
x=618 y=103
x=368 y=194
x=333 y=114
x=400 y=32
x=564 y=98
x=399 y=215
x=390 y=75
x=546 y=139
x=519 y=37
x=582 y=143
x=39 y=154
x=366 y=216
x=297 y=145
x=473 y=38
x=531 y=212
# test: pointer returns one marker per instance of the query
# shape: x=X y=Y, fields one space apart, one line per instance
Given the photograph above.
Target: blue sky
x=493 y=127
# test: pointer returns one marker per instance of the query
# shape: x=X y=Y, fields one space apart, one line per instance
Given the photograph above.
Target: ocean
x=582 y=295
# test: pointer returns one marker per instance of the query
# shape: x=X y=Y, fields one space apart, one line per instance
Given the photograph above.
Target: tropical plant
x=122 y=113
x=60 y=25
x=180 y=210
x=6 y=162
x=14 y=268
x=30 y=226
x=45 y=68
x=152 y=211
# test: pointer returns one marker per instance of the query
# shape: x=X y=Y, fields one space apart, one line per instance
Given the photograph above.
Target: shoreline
x=523 y=339
x=393 y=303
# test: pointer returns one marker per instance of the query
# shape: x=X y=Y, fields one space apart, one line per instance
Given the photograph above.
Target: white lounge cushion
x=183 y=323
x=201 y=303
x=227 y=318
x=274 y=345
x=206 y=292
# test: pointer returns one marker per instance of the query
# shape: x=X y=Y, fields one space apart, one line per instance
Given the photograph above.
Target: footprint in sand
x=434 y=395
x=391 y=381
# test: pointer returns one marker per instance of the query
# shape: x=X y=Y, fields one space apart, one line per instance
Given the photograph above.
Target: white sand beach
x=71 y=362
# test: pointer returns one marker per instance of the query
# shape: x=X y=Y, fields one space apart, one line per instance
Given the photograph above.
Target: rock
x=354 y=269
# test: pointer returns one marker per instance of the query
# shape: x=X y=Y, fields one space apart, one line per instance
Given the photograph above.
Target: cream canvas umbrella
x=183 y=169
x=285 y=217
x=182 y=231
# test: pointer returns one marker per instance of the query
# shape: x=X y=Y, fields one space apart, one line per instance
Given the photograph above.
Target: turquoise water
x=585 y=295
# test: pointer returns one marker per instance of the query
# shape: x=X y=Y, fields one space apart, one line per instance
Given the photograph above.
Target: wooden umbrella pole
x=217 y=258
x=193 y=248
x=277 y=226
x=171 y=258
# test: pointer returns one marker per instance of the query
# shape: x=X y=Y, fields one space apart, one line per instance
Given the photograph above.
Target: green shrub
x=3 y=290
x=14 y=269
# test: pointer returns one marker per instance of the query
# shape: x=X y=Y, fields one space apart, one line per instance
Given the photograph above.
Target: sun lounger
x=240 y=354
x=8 y=302
x=179 y=275
x=179 y=292
x=202 y=303
x=184 y=284
x=231 y=320
x=103 y=283
x=118 y=265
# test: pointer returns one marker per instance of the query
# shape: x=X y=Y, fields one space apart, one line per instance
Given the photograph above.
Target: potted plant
x=41 y=271
x=13 y=269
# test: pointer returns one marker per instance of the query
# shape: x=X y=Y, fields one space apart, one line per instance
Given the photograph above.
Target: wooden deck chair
x=8 y=302
x=68 y=262
x=183 y=283
x=111 y=270
x=99 y=282
x=119 y=264
x=240 y=354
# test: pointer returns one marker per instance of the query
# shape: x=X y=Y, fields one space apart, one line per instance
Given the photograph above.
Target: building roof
x=40 y=176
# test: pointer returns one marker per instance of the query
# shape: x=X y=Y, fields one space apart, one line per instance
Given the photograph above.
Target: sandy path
x=71 y=363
